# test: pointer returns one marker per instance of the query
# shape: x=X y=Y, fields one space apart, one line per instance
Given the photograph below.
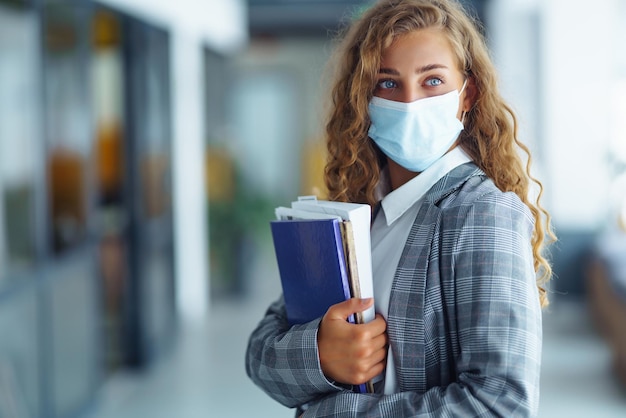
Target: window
x=67 y=124
x=19 y=136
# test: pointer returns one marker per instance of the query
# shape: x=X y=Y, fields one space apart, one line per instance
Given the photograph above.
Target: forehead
x=423 y=46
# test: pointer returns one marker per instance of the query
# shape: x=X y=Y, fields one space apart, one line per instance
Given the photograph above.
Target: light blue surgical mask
x=415 y=134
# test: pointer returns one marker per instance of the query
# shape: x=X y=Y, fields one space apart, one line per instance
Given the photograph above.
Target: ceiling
x=310 y=18
x=300 y=17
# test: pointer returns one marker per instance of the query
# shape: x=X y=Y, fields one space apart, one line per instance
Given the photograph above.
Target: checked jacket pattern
x=464 y=321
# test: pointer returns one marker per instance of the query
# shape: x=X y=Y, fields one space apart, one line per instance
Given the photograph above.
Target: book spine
x=347 y=236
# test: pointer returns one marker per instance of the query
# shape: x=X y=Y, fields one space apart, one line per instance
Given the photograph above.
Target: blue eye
x=387 y=84
x=434 y=82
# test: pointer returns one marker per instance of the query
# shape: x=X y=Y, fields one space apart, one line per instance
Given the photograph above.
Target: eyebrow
x=419 y=70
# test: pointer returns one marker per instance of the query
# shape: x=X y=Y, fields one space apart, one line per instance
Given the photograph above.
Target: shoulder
x=477 y=200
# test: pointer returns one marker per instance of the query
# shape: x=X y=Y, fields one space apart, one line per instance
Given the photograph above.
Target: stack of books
x=323 y=252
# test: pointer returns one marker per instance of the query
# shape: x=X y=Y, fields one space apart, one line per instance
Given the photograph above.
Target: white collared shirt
x=390 y=231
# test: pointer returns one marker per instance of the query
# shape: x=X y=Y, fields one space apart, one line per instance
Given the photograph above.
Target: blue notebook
x=313 y=269
x=312 y=266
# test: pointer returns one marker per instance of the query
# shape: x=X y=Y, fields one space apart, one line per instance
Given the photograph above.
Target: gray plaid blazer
x=464 y=321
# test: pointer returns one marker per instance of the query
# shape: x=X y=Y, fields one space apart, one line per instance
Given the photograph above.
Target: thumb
x=346 y=308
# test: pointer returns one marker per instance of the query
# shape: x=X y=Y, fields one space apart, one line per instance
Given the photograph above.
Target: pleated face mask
x=415 y=134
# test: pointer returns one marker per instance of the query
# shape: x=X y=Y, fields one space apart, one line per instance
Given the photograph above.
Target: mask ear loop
x=463 y=88
x=464 y=112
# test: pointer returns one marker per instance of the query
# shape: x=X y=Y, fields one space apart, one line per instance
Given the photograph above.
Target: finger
x=379 y=342
x=344 y=309
x=377 y=326
x=379 y=356
x=375 y=371
x=371 y=373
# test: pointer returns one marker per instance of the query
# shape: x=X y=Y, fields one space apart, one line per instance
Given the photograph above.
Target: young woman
x=419 y=131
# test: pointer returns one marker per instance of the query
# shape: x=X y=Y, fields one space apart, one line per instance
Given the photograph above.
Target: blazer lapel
x=405 y=321
x=451 y=182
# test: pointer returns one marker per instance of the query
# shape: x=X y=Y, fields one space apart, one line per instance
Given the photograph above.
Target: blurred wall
x=194 y=24
x=276 y=111
x=579 y=51
x=222 y=24
x=561 y=67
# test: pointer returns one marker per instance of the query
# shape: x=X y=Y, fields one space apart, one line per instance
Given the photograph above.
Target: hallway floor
x=204 y=375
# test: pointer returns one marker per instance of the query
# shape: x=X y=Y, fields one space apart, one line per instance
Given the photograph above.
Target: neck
x=399 y=175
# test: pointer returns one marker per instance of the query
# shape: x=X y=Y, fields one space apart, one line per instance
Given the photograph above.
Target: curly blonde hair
x=354 y=165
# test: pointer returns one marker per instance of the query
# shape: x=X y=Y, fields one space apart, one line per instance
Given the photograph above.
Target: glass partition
x=152 y=128
x=85 y=201
x=153 y=236
x=70 y=316
x=107 y=67
x=75 y=351
x=20 y=365
x=19 y=136
x=67 y=122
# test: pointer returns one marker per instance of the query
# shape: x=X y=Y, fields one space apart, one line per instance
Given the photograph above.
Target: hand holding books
x=352 y=354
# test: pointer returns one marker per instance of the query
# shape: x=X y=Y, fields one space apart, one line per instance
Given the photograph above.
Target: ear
x=470 y=94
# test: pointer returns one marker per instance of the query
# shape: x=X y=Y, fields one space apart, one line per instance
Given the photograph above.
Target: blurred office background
x=144 y=145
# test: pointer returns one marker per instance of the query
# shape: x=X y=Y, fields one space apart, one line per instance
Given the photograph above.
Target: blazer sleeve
x=495 y=337
x=284 y=361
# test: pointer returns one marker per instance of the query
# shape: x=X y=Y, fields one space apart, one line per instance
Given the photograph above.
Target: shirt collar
x=397 y=202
